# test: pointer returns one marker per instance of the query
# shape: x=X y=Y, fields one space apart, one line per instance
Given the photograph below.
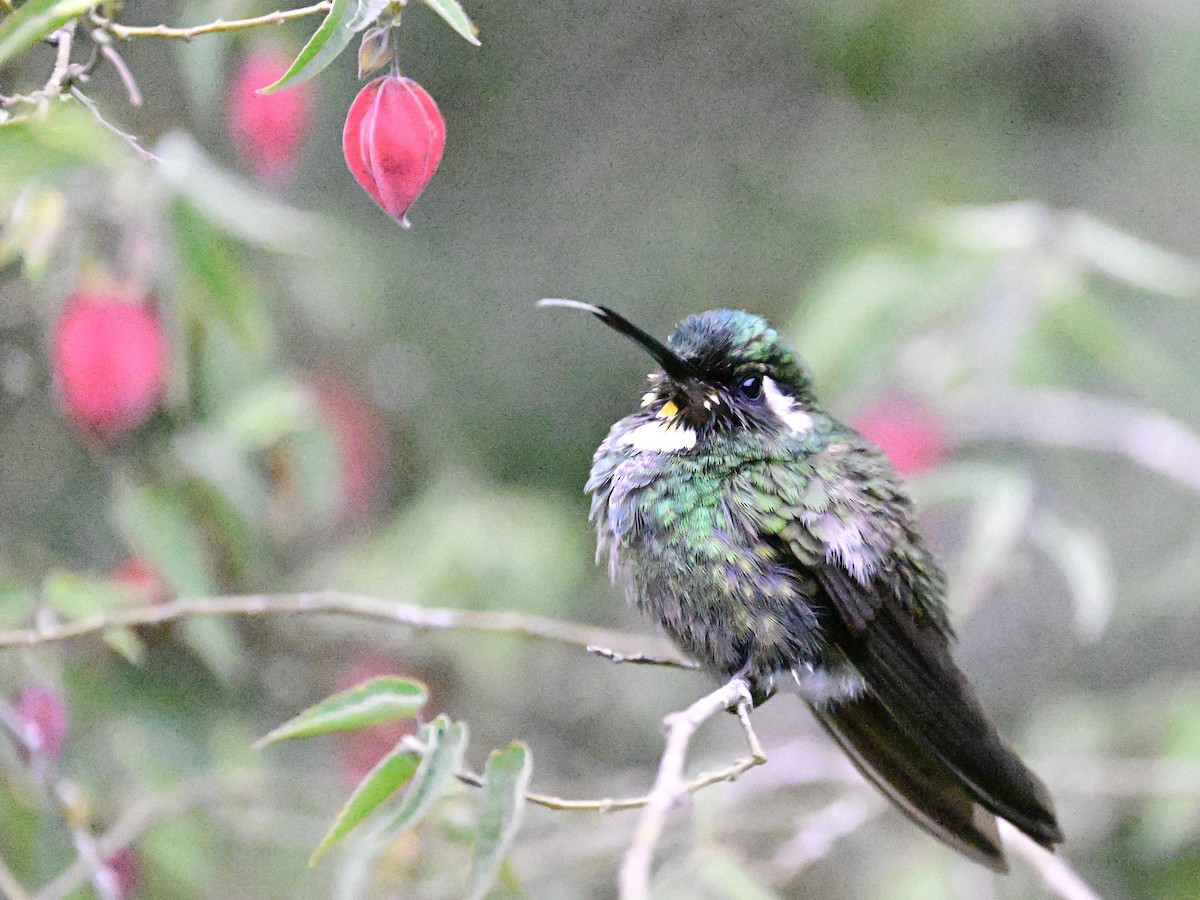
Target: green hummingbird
x=774 y=543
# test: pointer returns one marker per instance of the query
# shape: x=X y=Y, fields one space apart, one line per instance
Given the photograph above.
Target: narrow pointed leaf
x=389 y=775
x=504 y=781
x=162 y=530
x=34 y=21
x=366 y=14
x=1084 y=561
x=446 y=742
x=456 y=18
x=322 y=48
x=382 y=699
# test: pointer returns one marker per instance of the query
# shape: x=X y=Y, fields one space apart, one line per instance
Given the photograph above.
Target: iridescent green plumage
x=773 y=542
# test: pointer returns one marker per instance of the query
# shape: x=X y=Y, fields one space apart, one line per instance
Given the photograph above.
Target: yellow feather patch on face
x=669 y=410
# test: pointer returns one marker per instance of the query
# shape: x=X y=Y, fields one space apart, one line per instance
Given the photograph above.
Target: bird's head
x=721 y=371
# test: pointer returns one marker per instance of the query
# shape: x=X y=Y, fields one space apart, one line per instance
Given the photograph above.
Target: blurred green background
x=984 y=211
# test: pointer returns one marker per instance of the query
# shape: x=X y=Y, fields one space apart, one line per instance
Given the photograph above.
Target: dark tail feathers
x=920 y=783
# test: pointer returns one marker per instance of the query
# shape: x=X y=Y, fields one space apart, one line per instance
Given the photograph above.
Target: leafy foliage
x=848 y=170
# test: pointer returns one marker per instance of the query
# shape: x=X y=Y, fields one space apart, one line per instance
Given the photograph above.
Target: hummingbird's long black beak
x=677 y=368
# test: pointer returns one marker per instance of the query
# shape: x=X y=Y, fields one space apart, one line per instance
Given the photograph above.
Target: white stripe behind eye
x=785 y=408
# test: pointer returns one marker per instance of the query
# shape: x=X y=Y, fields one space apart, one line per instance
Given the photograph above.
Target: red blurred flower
x=268 y=129
x=134 y=573
x=127 y=871
x=393 y=142
x=907 y=432
x=360 y=445
x=44 y=716
x=110 y=362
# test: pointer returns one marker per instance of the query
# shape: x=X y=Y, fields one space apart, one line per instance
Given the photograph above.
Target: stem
x=1060 y=878
x=128 y=32
x=326 y=602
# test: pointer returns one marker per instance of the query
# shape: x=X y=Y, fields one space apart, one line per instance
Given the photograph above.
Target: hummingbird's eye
x=750 y=388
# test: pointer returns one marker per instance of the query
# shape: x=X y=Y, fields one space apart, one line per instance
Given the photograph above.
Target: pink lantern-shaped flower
x=393 y=142
x=109 y=356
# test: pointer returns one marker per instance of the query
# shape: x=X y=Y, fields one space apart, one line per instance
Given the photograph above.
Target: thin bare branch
x=641 y=659
x=63 y=39
x=129 y=32
x=610 y=804
x=87 y=101
x=669 y=786
x=9 y=886
x=109 y=52
x=1058 y=417
x=821 y=831
x=1059 y=877
x=330 y=603
x=126 y=831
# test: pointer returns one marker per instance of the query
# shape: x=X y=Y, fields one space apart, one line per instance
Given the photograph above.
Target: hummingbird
x=774 y=543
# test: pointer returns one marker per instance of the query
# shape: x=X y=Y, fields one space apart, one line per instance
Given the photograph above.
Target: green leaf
x=322 y=48
x=389 y=774
x=34 y=21
x=161 y=530
x=34 y=224
x=75 y=596
x=382 y=699
x=368 y=11
x=1084 y=562
x=234 y=205
x=126 y=642
x=446 y=743
x=214 y=269
x=456 y=18
x=216 y=642
x=504 y=781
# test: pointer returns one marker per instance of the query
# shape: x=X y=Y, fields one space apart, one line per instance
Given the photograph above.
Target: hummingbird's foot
x=761 y=689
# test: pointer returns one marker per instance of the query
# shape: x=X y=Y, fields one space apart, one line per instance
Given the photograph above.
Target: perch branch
x=669 y=786
x=323 y=602
x=642 y=659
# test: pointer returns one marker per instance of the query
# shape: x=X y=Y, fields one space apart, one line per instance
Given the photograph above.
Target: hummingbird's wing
x=919 y=731
x=913 y=778
x=909 y=672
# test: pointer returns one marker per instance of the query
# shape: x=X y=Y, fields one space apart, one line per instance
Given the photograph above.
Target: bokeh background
x=976 y=220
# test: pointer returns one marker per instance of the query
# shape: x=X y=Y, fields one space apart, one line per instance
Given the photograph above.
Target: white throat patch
x=785 y=409
x=662 y=436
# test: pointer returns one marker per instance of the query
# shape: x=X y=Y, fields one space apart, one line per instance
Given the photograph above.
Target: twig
x=1082 y=421
x=669 y=786
x=126 y=831
x=64 y=39
x=128 y=32
x=70 y=802
x=642 y=659
x=322 y=602
x=609 y=804
x=821 y=831
x=9 y=886
x=109 y=52
x=1059 y=877
x=87 y=101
